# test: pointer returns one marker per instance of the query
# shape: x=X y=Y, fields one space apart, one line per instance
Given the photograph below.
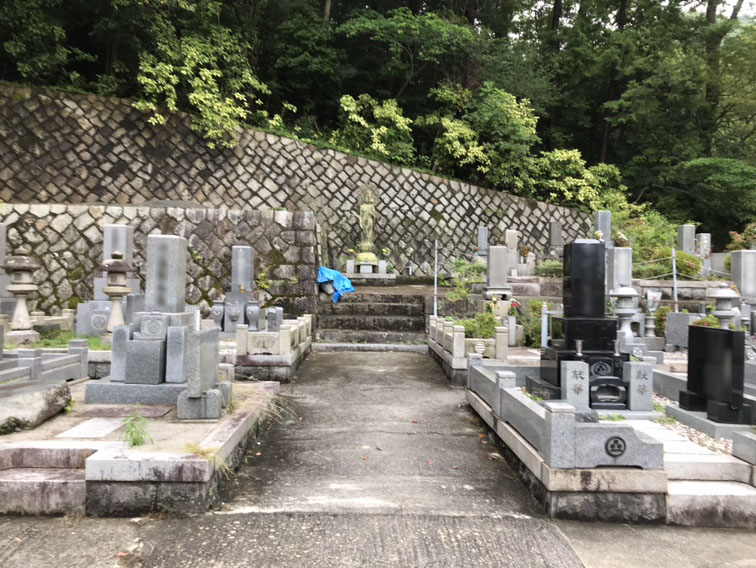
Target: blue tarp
x=341 y=283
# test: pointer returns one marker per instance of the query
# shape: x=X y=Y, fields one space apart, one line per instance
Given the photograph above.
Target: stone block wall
x=63 y=148
x=67 y=239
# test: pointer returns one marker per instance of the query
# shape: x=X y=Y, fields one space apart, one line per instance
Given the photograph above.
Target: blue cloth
x=341 y=283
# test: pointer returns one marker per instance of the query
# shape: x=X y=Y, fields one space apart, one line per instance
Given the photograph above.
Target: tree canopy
x=611 y=103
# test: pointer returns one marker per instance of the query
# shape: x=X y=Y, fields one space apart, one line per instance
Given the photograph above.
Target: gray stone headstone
x=145 y=362
x=121 y=336
x=510 y=239
x=166 y=273
x=350 y=266
x=483 y=242
x=744 y=272
x=640 y=379
x=603 y=223
x=620 y=260
x=497 y=272
x=703 y=250
x=4 y=278
x=242 y=269
x=686 y=238
x=556 y=238
x=275 y=318
x=576 y=385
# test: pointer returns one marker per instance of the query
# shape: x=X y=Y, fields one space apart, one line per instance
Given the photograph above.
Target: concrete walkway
x=374 y=461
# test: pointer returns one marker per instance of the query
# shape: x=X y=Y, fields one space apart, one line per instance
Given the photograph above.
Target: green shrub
x=660 y=319
x=709 y=321
x=728 y=263
x=482 y=326
x=531 y=323
x=550 y=268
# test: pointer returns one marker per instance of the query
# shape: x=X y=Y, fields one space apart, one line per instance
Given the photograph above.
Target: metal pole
x=435 y=277
x=674 y=276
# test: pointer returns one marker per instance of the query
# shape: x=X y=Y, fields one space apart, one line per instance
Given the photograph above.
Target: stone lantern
x=117 y=287
x=724 y=301
x=22 y=267
x=627 y=302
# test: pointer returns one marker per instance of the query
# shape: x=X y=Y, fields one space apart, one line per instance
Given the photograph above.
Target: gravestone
x=703 y=251
x=715 y=375
x=576 y=384
x=640 y=378
x=166 y=273
x=620 y=267
x=603 y=224
x=483 y=242
x=744 y=272
x=497 y=272
x=556 y=239
x=242 y=269
x=686 y=238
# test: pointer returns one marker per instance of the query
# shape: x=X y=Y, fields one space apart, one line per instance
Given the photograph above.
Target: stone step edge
x=42 y=491
x=377 y=347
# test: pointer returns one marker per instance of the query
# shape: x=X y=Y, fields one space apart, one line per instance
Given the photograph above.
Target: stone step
x=372 y=323
x=42 y=491
x=374 y=308
x=373 y=298
x=45 y=454
x=706 y=467
x=370 y=336
x=711 y=504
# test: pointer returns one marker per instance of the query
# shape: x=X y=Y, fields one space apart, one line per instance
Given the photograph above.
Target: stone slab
x=145 y=362
x=122 y=465
x=93 y=428
x=700 y=422
x=744 y=446
x=706 y=467
x=166 y=273
x=711 y=503
x=208 y=406
x=104 y=391
x=123 y=411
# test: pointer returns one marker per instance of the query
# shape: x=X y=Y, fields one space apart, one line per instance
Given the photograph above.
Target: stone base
x=226 y=392
x=634 y=414
x=700 y=422
x=538 y=387
x=22 y=337
x=370 y=276
x=207 y=407
x=654 y=343
x=503 y=293
x=106 y=392
x=457 y=377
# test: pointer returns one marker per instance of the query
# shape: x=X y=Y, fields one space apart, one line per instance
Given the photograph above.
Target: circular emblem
x=615 y=446
x=638 y=352
x=99 y=321
x=601 y=369
x=154 y=327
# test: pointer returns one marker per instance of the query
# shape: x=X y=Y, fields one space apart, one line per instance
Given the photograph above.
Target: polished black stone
x=596 y=333
x=583 y=281
x=600 y=363
x=715 y=375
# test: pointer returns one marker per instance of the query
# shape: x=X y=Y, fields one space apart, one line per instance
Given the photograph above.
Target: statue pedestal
x=367 y=268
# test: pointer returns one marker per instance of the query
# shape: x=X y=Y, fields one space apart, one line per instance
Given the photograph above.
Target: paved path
x=375 y=461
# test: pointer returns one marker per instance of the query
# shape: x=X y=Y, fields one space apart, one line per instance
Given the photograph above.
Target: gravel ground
x=718 y=445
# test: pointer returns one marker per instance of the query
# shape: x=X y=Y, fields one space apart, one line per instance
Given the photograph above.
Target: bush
x=740 y=241
x=709 y=321
x=660 y=319
x=531 y=323
x=687 y=265
x=550 y=268
x=482 y=326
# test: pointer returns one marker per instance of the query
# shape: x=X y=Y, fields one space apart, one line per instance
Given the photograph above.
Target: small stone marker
x=556 y=239
x=576 y=385
x=166 y=273
x=498 y=263
x=703 y=250
x=640 y=377
x=483 y=242
x=620 y=267
x=275 y=318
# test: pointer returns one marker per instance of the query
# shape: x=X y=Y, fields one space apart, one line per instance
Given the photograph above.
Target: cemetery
x=214 y=309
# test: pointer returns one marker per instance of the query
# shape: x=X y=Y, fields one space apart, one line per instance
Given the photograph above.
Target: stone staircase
x=42 y=478
x=373 y=318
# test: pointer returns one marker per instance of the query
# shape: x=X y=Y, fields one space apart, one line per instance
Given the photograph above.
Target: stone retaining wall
x=64 y=148
x=67 y=239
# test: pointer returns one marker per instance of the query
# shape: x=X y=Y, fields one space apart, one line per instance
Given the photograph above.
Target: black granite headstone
x=715 y=375
x=583 y=281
